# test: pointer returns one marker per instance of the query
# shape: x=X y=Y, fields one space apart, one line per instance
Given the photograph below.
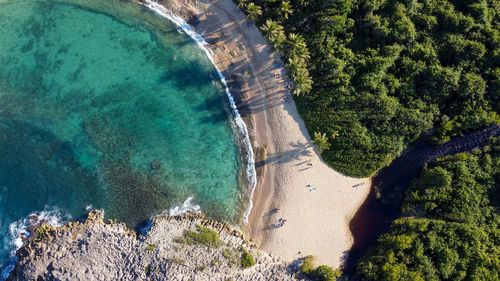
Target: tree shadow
x=271 y=212
x=298 y=151
x=271 y=227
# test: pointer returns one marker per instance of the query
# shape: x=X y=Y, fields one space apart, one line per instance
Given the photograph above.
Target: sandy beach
x=294 y=183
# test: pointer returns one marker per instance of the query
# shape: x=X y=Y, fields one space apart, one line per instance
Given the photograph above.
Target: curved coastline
x=242 y=128
x=287 y=164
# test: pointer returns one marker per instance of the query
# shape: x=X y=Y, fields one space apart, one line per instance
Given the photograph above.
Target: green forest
x=450 y=229
x=371 y=76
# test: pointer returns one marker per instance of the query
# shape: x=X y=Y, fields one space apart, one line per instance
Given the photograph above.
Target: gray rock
x=114 y=252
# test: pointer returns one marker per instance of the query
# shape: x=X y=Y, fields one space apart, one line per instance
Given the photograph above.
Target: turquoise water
x=108 y=109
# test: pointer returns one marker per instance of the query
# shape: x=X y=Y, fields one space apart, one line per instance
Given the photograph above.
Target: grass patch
x=202 y=236
x=231 y=255
x=150 y=247
x=247 y=259
x=178 y=261
x=201 y=267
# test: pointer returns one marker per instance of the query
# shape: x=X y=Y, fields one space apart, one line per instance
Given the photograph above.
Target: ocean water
x=104 y=104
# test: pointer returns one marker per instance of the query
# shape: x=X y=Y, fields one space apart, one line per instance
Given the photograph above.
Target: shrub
x=41 y=233
x=307 y=265
x=227 y=254
x=321 y=273
x=326 y=273
x=204 y=236
x=231 y=256
x=246 y=258
x=150 y=247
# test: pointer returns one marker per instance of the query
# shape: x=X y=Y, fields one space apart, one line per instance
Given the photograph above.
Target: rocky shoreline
x=95 y=250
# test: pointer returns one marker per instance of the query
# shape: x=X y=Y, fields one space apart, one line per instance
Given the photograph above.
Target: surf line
x=250 y=162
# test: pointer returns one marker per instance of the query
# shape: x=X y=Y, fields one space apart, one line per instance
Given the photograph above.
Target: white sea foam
x=49 y=215
x=186 y=206
x=242 y=128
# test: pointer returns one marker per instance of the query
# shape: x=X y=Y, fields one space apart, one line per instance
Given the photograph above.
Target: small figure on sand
x=281 y=222
x=309 y=163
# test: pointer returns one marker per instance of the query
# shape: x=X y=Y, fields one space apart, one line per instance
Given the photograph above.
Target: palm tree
x=296 y=65
x=274 y=33
x=253 y=11
x=321 y=140
x=269 y=29
x=298 y=47
x=303 y=82
x=242 y=4
x=296 y=39
x=286 y=9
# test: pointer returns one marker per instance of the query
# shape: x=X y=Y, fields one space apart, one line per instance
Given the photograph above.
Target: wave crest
x=242 y=128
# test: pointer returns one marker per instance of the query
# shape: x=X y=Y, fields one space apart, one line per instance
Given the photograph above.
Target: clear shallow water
x=90 y=102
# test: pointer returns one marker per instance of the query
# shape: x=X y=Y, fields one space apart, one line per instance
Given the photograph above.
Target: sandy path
x=316 y=220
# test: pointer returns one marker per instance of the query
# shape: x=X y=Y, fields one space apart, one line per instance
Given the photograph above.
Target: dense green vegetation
x=373 y=75
x=247 y=259
x=451 y=228
x=320 y=273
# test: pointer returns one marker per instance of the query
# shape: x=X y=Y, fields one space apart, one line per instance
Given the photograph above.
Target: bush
x=321 y=273
x=307 y=265
x=41 y=233
x=150 y=247
x=204 y=236
x=326 y=273
x=246 y=259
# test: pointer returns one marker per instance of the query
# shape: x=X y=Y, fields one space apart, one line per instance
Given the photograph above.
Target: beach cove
x=294 y=183
x=84 y=128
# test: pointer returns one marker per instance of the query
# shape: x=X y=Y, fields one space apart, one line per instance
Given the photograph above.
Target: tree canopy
x=451 y=228
x=382 y=72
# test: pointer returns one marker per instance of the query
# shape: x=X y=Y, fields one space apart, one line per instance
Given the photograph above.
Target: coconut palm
x=253 y=11
x=286 y=9
x=296 y=40
x=321 y=140
x=296 y=65
x=274 y=33
x=269 y=29
x=303 y=82
x=242 y=4
x=298 y=47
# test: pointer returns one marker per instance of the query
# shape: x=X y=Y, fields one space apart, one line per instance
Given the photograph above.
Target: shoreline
x=244 y=143
x=317 y=219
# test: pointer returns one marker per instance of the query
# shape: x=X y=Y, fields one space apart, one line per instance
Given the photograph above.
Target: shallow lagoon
x=105 y=109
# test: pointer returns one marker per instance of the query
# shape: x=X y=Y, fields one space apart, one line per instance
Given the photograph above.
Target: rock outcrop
x=95 y=250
